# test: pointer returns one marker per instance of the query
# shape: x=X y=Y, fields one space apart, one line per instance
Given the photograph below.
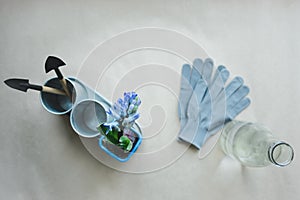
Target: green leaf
x=124 y=140
x=112 y=136
x=129 y=146
x=102 y=129
x=125 y=143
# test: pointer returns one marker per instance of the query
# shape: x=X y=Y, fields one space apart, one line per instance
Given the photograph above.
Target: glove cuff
x=189 y=133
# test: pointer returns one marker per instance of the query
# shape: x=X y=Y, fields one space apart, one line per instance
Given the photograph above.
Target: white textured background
x=41 y=157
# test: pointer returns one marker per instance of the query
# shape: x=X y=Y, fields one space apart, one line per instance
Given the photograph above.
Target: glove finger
x=224 y=73
x=198 y=64
x=217 y=74
x=235 y=84
x=221 y=74
x=200 y=90
x=185 y=90
x=196 y=74
x=218 y=84
x=207 y=70
x=237 y=96
x=186 y=72
x=221 y=67
x=238 y=108
x=194 y=107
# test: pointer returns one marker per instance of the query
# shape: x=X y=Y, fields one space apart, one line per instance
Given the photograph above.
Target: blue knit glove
x=189 y=78
x=205 y=105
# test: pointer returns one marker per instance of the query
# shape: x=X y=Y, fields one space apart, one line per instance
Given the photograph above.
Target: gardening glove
x=189 y=98
x=199 y=109
x=217 y=105
x=225 y=107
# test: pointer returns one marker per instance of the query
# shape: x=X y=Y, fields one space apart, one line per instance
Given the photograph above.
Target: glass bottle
x=254 y=145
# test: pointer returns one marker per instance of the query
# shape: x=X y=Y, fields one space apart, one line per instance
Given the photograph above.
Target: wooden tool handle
x=52 y=90
x=65 y=87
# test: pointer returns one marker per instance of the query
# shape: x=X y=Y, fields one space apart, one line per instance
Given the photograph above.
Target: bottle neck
x=280 y=153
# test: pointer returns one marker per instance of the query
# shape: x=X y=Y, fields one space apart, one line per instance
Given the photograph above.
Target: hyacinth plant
x=124 y=113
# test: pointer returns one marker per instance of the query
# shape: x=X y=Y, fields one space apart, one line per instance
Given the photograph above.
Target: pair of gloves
x=205 y=103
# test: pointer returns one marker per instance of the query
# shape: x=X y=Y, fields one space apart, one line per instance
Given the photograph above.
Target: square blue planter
x=118 y=153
